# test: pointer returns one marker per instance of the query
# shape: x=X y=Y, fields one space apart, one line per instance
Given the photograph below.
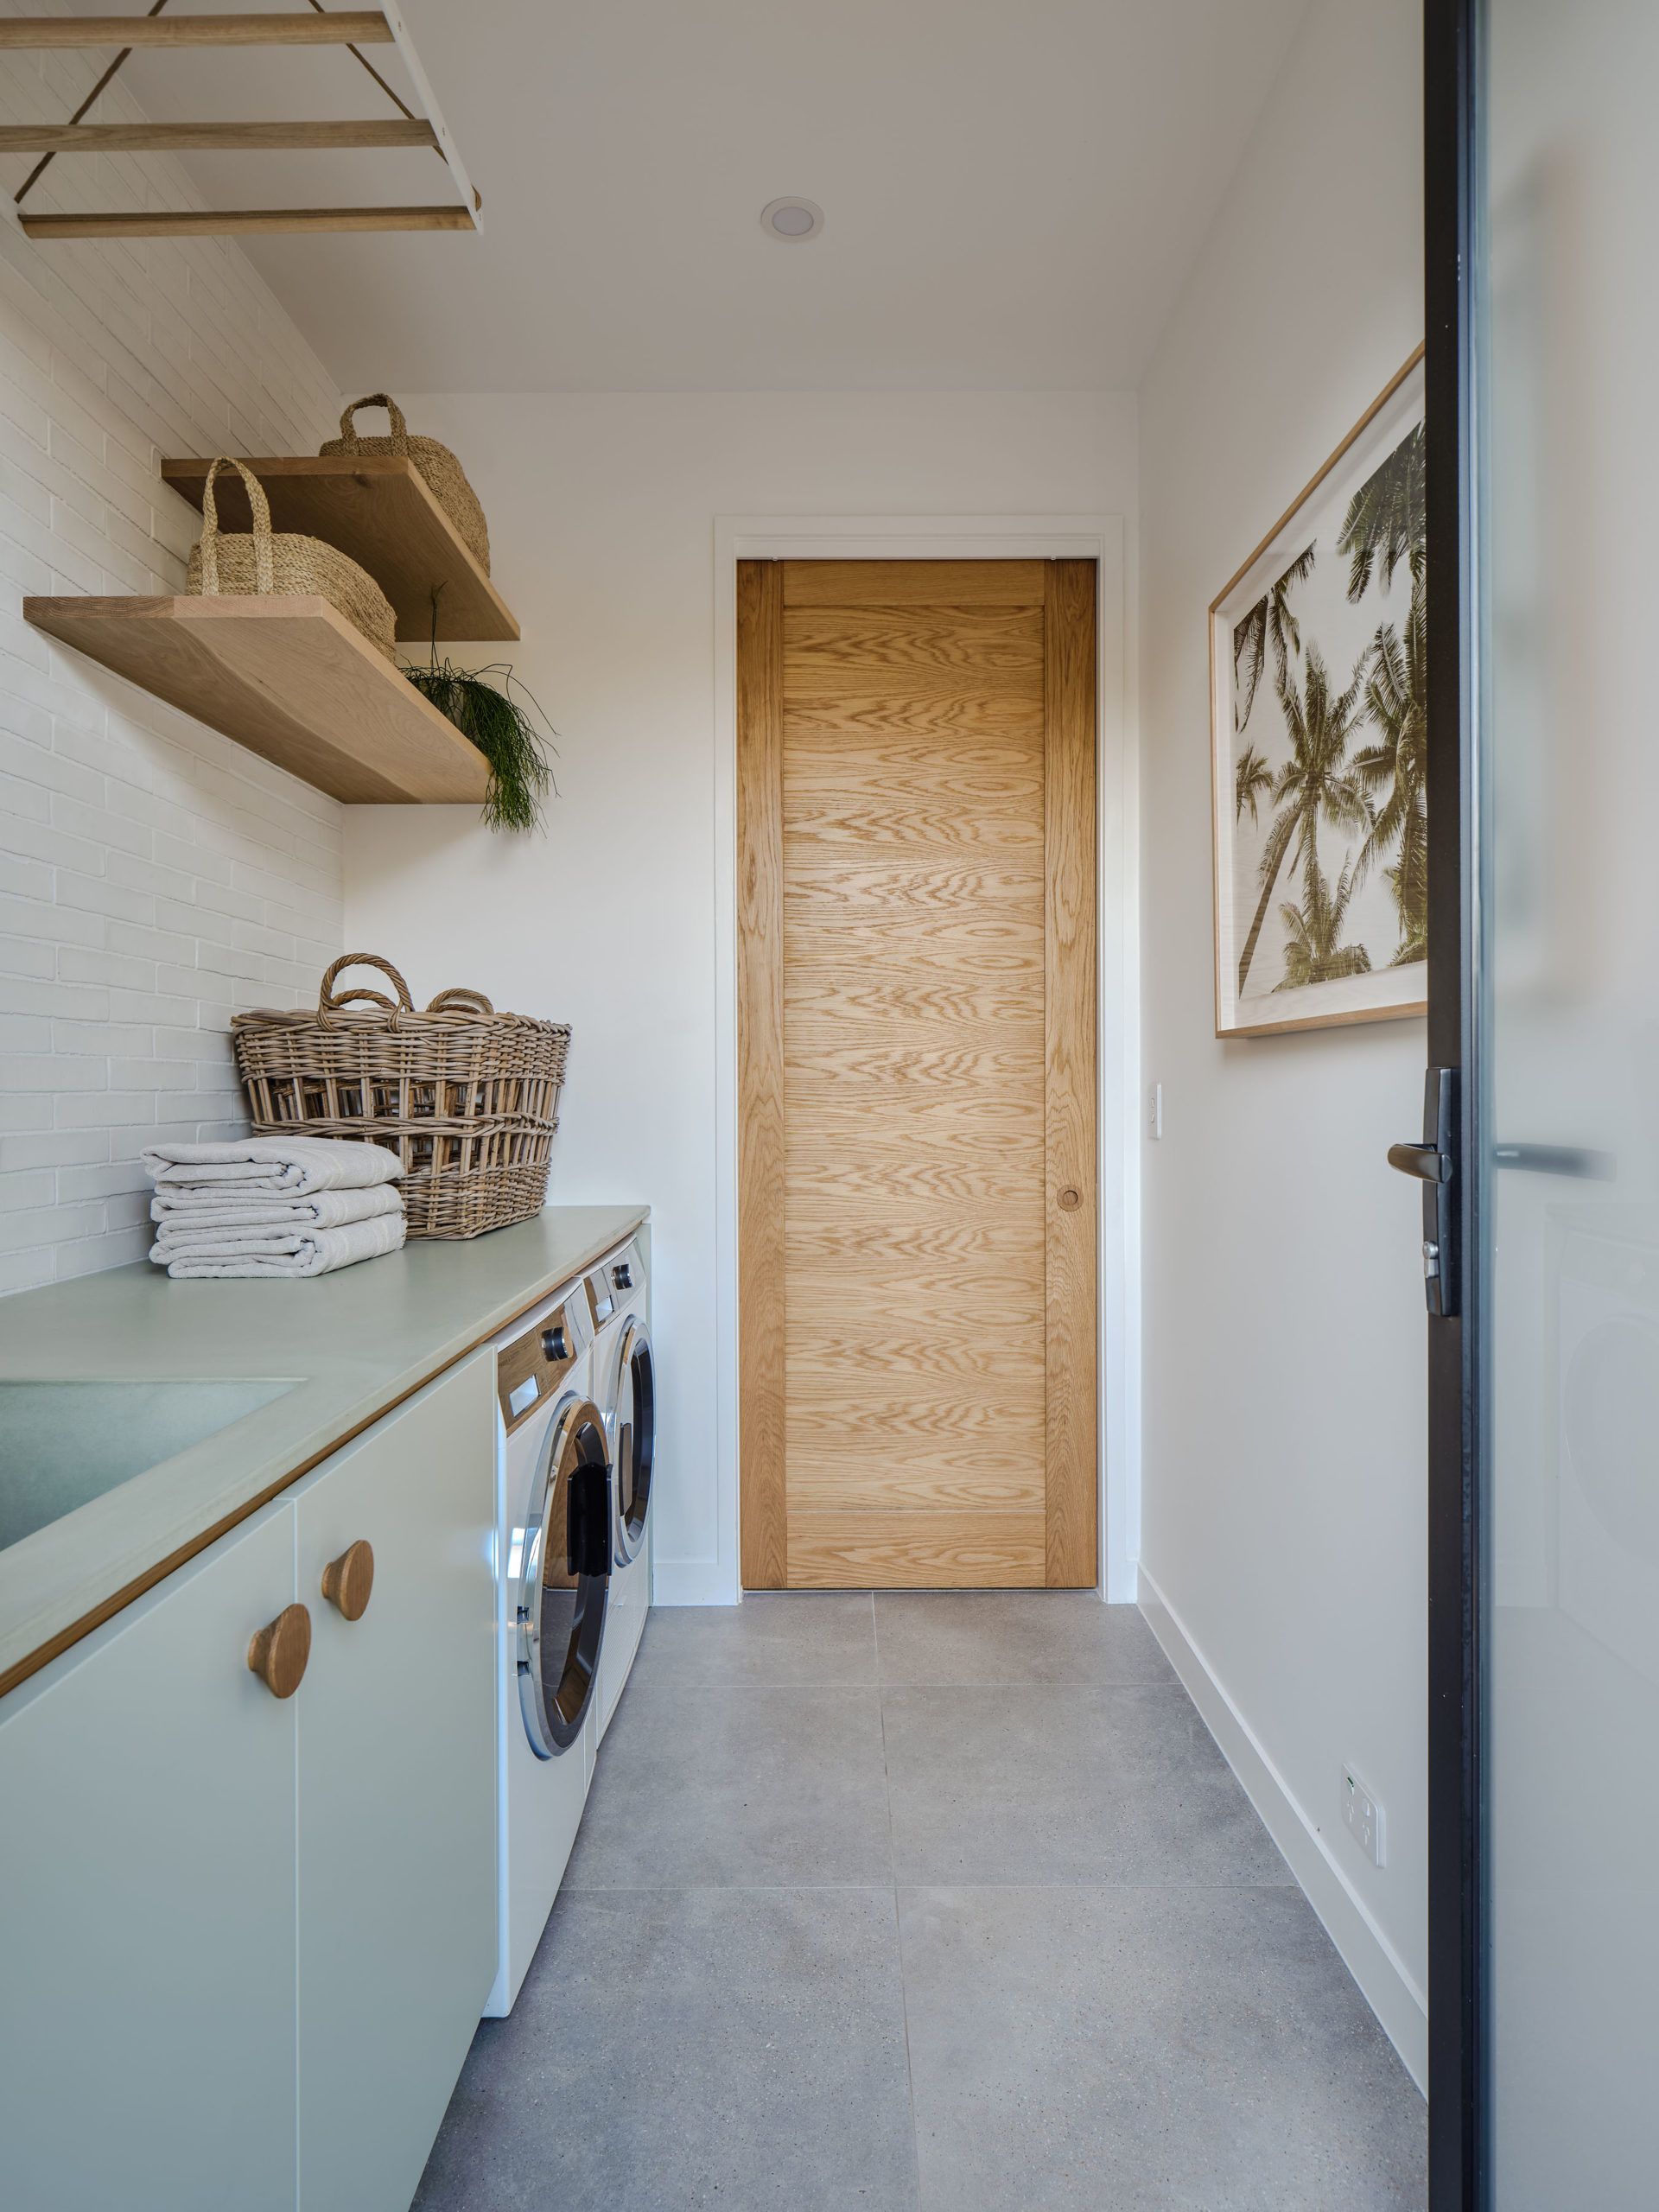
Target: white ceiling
x=1013 y=189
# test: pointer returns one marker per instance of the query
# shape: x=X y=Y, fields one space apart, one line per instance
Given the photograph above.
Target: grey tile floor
x=927 y=1903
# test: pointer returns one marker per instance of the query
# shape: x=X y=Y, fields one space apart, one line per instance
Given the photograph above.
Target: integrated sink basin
x=63 y=1444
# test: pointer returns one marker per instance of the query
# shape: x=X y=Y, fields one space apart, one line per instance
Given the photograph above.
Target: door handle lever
x=1425 y=1161
x=1432 y=1162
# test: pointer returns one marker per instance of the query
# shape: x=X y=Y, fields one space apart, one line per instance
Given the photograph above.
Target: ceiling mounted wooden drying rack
x=352 y=29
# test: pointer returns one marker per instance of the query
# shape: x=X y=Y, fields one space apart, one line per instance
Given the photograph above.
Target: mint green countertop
x=338 y=1349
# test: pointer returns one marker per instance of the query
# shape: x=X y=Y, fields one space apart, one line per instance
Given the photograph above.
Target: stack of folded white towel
x=273 y=1206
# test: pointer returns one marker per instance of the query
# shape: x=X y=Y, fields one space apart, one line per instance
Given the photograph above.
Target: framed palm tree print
x=1318 y=652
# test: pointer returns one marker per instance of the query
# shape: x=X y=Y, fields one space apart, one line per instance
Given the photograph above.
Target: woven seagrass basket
x=238 y=564
x=446 y=478
x=467 y=1098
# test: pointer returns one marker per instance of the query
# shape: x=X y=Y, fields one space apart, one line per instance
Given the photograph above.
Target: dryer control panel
x=616 y=1285
x=530 y=1369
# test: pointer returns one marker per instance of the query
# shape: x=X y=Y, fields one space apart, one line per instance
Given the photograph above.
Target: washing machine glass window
x=564 y=1578
x=633 y=1426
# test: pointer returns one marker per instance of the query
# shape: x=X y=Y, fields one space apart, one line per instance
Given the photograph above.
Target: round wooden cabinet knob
x=348 y=1581
x=279 y=1652
x=1071 y=1199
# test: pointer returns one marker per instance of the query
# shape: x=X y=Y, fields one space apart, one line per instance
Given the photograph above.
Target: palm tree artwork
x=1314 y=952
x=1252 y=783
x=1395 y=770
x=1322 y=742
x=1269 y=625
x=1387 y=520
x=1316 y=784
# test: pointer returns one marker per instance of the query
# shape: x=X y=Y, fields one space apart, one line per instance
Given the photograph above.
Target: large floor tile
x=1148 y=2050
x=1065 y=1784
x=1014 y=1636
x=795 y=1639
x=674 y=2049
x=736 y=1786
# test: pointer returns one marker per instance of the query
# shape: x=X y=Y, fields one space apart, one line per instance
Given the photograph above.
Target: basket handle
x=329 y=1001
x=394 y=414
x=459 y=997
x=265 y=574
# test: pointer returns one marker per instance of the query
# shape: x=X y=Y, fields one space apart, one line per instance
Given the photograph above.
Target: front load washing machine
x=625 y=1386
x=554 y=1519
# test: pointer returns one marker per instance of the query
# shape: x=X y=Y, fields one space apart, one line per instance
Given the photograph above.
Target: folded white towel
x=268 y=1166
x=185 y=1209
x=281 y=1252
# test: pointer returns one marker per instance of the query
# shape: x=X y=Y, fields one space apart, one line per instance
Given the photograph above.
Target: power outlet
x=1362 y=1816
x=1155 y=1111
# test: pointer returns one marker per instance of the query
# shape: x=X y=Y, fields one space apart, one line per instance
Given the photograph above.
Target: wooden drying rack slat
x=54 y=33
x=216 y=138
x=350 y=28
x=241 y=222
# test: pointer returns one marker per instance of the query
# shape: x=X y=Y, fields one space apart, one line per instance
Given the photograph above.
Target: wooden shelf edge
x=288 y=678
x=284 y=476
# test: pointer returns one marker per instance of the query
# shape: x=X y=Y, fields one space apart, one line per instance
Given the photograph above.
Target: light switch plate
x=1362 y=1816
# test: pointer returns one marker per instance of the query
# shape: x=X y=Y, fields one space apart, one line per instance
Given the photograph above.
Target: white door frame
x=953 y=537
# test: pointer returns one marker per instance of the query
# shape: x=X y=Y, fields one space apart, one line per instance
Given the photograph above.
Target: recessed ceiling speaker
x=791 y=219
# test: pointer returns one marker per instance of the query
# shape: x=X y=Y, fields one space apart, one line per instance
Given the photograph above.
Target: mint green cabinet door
x=147 y=1942
x=396 y=1777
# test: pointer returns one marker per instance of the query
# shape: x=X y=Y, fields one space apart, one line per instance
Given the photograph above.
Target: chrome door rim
x=636 y=1344
x=577 y=1424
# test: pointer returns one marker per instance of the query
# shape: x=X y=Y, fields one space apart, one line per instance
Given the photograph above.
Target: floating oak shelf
x=289 y=678
x=378 y=509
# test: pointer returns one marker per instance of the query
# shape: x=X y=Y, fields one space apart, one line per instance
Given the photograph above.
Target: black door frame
x=1456 y=1362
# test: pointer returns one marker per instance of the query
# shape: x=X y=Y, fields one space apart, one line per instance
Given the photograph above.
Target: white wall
x=602 y=513
x=1283 y=1523
x=154 y=876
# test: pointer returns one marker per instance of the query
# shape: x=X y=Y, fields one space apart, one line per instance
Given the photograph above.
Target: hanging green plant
x=480 y=703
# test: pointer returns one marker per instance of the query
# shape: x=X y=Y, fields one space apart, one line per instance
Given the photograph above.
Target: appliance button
x=622 y=1275
x=554 y=1344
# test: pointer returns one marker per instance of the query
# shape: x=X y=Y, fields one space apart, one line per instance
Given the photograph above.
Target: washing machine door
x=634 y=1429
x=564 y=1583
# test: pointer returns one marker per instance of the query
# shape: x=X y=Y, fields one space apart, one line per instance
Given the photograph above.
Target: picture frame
x=1319 y=744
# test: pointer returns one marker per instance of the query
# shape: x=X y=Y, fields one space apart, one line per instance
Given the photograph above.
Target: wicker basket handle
x=459 y=997
x=329 y=1001
x=265 y=574
x=394 y=414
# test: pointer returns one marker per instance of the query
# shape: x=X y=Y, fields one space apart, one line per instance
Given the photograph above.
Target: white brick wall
x=154 y=876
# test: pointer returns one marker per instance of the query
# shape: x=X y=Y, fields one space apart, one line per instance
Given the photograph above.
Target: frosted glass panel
x=1570 y=860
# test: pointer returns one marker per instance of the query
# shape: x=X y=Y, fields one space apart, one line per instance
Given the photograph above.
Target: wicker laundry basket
x=467 y=1098
x=239 y=564
x=446 y=478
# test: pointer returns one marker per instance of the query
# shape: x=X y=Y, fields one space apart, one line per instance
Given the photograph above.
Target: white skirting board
x=691 y=1582
x=1384 y=1982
